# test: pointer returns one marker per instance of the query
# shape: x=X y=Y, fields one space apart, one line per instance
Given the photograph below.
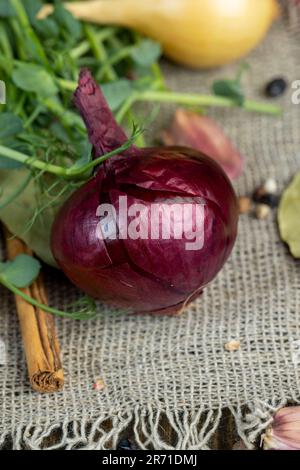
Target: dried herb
x=289 y=216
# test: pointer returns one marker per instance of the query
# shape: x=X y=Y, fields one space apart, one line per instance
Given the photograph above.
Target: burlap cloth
x=177 y=368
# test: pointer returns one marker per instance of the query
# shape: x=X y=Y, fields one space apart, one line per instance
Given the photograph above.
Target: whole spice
x=125 y=270
x=271 y=200
x=245 y=204
x=232 y=345
x=266 y=193
x=262 y=211
x=126 y=444
x=276 y=87
x=284 y=431
x=204 y=134
x=38 y=332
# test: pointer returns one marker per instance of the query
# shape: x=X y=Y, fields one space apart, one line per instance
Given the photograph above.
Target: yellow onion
x=197 y=33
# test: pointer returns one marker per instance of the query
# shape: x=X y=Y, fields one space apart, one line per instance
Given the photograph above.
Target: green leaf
x=10 y=125
x=21 y=271
x=289 y=216
x=2 y=266
x=17 y=193
x=34 y=78
x=86 y=152
x=9 y=164
x=46 y=28
x=66 y=20
x=32 y=7
x=6 y=10
x=146 y=52
x=59 y=132
x=229 y=89
x=117 y=92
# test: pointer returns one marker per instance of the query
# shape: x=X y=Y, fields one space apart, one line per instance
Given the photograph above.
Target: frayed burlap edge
x=190 y=429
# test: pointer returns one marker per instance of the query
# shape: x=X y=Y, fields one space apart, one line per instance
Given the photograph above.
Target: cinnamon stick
x=38 y=331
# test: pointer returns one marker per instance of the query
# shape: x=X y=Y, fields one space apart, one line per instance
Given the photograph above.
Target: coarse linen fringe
x=190 y=429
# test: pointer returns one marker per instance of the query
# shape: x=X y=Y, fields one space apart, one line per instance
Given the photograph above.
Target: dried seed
x=271 y=200
x=266 y=193
x=245 y=204
x=276 y=87
x=126 y=444
x=262 y=211
x=259 y=193
x=232 y=345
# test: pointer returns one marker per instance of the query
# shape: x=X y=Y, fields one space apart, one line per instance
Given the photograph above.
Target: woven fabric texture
x=177 y=369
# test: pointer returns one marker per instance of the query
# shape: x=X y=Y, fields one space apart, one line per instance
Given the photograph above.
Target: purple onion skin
x=143 y=275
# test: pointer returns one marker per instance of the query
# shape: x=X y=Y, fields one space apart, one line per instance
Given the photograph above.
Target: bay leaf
x=20 y=211
x=289 y=216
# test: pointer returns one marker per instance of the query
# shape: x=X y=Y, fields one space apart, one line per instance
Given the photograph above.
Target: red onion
x=143 y=274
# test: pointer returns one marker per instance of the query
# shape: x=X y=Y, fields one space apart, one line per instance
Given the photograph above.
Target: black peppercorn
x=271 y=200
x=276 y=87
x=126 y=444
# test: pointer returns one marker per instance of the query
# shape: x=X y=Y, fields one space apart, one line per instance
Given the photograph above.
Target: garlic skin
x=284 y=432
x=190 y=129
